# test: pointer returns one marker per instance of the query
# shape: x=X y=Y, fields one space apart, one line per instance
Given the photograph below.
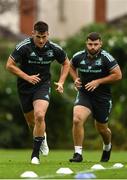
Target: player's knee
x=102 y=130
x=77 y=120
x=39 y=116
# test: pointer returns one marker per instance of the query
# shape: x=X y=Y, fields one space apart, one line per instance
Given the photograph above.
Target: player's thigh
x=102 y=110
x=26 y=102
x=41 y=100
x=43 y=93
x=40 y=106
x=80 y=113
x=82 y=107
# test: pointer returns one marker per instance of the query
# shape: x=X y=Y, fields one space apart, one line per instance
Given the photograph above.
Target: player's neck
x=92 y=56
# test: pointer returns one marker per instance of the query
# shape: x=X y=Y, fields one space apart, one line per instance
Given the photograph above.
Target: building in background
x=65 y=17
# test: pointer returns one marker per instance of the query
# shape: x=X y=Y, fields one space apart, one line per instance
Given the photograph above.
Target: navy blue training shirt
x=33 y=60
x=91 y=69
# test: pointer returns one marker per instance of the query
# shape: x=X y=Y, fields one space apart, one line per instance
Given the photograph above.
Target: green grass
x=14 y=162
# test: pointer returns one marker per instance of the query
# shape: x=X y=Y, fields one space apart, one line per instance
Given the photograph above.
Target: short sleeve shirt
x=96 y=68
x=33 y=60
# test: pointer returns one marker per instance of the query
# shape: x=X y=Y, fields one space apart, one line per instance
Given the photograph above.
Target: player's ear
x=33 y=32
x=101 y=43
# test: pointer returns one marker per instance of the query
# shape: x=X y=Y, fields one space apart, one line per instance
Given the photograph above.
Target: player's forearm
x=64 y=72
x=109 y=79
x=115 y=75
x=17 y=71
x=73 y=73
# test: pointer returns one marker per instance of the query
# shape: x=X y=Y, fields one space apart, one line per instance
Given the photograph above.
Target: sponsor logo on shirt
x=89 y=70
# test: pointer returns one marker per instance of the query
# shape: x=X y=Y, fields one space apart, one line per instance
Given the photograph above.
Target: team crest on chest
x=98 y=62
x=49 y=53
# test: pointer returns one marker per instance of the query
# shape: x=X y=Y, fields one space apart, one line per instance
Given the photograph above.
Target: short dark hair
x=41 y=26
x=94 y=36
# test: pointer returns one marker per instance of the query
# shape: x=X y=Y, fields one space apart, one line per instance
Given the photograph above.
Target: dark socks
x=36 y=146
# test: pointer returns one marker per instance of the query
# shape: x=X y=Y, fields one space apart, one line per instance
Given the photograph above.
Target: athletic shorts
x=99 y=106
x=26 y=100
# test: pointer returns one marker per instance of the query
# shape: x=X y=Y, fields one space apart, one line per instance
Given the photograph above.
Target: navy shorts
x=26 y=100
x=99 y=106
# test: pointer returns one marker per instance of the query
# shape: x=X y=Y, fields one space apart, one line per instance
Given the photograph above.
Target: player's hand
x=77 y=83
x=34 y=79
x=59 y=87
x=91 y=86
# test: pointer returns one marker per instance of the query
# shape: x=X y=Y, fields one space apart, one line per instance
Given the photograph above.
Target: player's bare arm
x=115 y=75
x=11 y=66
x=74 y=74
x=64 y=72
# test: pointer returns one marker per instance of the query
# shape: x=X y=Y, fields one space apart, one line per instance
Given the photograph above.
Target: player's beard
x=93 y=52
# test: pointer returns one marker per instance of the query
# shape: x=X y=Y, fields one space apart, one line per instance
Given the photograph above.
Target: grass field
x=14 y=162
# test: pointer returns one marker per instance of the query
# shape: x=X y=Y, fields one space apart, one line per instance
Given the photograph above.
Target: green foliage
x=12 y=126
